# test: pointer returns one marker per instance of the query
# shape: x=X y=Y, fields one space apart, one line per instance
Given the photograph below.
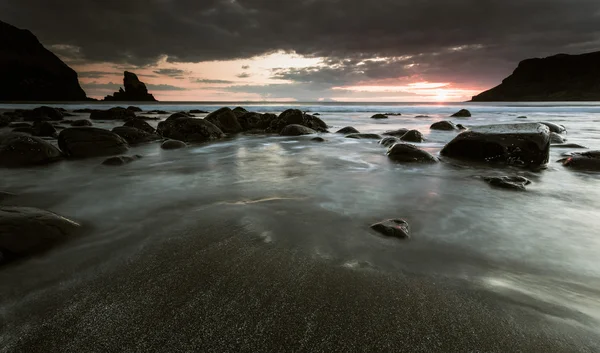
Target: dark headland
x=560 y=77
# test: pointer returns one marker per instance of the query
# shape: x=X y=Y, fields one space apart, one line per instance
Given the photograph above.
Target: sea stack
x=135 y=90
x=30 y=72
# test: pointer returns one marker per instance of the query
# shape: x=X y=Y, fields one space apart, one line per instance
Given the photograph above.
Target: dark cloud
x=245 y=67
x=115 y=87
x=139 y=32
x=175 y=73
x=210 y=81
x=243 y=75
x=97 y=74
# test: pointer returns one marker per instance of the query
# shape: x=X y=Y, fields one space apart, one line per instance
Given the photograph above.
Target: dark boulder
x=443 y=125
x=559 y=129
x=24 y=130
x=513 y=144
x=82 y=122
x=556 y=138
x=134 y=135
x=583 y=161
x=296 y=130
x=463 y=113
x=412 y=136
x=460 y=127
x=134 y=109
x=173 y=145
x=159 y=112
x=43 y=113
x=120 y=160
x=404 y=152
x=422 y=116
x=239 y=111
x=226 y=120
x=347 y=130
x=364 y=136
x=135 y=90
x=85 y=110
x=5 y=120
x=389 y=141
x=296 y=117
x=393 y=114
x=379 y=116
x=189 y=130
x=396 y=228
x=116 y=113
x=198 y=111
x=26 y=231
x=140 y=124
x=522 y=117
x=178 y=115
x=508 y=182
x=83 y=142
x=397 y=133
x=19 y=150
x=255 y=121
x=318 y=139
x=43 y=129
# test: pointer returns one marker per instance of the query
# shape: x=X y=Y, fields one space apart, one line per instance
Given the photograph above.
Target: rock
x=85 y=110
x=143 y=117
x=364 y=136
x=522 y=117
x=198 y=111
x=560 y=77
x=5 y=120
x=135 y=90
x=116 y=113
x=316 y=114
x=134 y=109
x=296 y=130
x=173 y=145
x=397 y=228
x=43 y=113
x=255 y=121
x=556 y=138
x=559 y=129
x=512 y=144
x=392 y=114
x=443 y=125
x=460 y=127
x=568 y=145
x=178 y=115
x=379 y=116
x=318 y=139
x=189 y=130
x=348 y=130
x=30 y=72
x=43 y=129
x=26 y=231
x=389 y=141
x=120 y=160
x=159 y=112
x=422 y=116
x=296 y=117
x=508 y=182
x=5 y=195
x=463 y=113
x=398 y=133
x=134 y=135
x=404 y=152
x=19 y=150
x=18 y=124
x=226 y=120
x=239 y=111
x=140 y=124
x=583 y=161
x=25 y=130
x=412 y=136
x=82 y=122
x=83 y=142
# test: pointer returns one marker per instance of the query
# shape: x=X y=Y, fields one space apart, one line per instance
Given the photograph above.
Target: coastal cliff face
x=560 y=77
x=30 y=72
x=135 y=90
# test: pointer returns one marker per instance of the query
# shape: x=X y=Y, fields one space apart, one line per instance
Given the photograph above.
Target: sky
x=305 y=50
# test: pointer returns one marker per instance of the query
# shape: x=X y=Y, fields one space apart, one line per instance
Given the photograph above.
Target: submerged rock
x=140 y=124
x=226 y=120
x=82 y=122
x=26 y=231
x=134 y=109
x=398 y=133
x=556 y=138
x=116 y=113
x=393 y=114
x=347 y=130
x=508 y=182
x=296 y=130
x=389 y=141
x=511 y=144
x=198 y=111
x=120 y=160
x=19 y=150
x=318 y=139
x=43 y=129
x=404 y=152
x=364 y=136
x=173 y=145
x=568 y=145
x=379 y=116
x=189 y=130
x=463 y=113
x=559 y=129
x=397 y=228
x=83 y=142
x=522 y=117
x=443 y=125
x=584 y=161
x=412 y=136
x=134 y=135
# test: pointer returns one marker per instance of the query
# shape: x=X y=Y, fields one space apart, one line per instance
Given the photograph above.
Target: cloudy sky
x=306 y=50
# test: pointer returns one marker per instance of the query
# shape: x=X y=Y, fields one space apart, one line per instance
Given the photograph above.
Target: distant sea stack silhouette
x=560 y=77
x=30 y=72
x=135 y=90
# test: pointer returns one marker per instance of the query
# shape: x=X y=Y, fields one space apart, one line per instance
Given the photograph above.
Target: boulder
x=25 y=130
x=159 y=112
x=42 y=113
x=559 y=129
x=296 y=130
x=120 y=160
x=556 y=138
x=348 y=130
x=19 y=150
x=389 y=141
x=296 y=117
x=5 y=120
x=83 y=142
x=134 y=135
x=463 y=113
x=43 y=129
x=396 y=228
x=508 y=182
x=26 y=231
x=412 y=136
x=190 y=130
x=173 y=145
x=318 y=139
x=397 y=133
x=239 y=111
x=583 y=161
x=226 y=120
x=134 y=109
x=140 y=124
x=460 y=127
x=85 y=110
x=364 y=136
x=135 y=90
x=421 y=116
x=178 y=115
x=198 y=111
x=81 y=122
x=404 y=152
x=116 y=113
x=252 y=121
x=512 y=144
x=379 y=116
x=393 y=114
x=522 y=117
x=443 y=125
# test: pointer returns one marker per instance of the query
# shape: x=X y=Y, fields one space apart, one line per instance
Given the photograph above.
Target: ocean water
x=537 y=250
